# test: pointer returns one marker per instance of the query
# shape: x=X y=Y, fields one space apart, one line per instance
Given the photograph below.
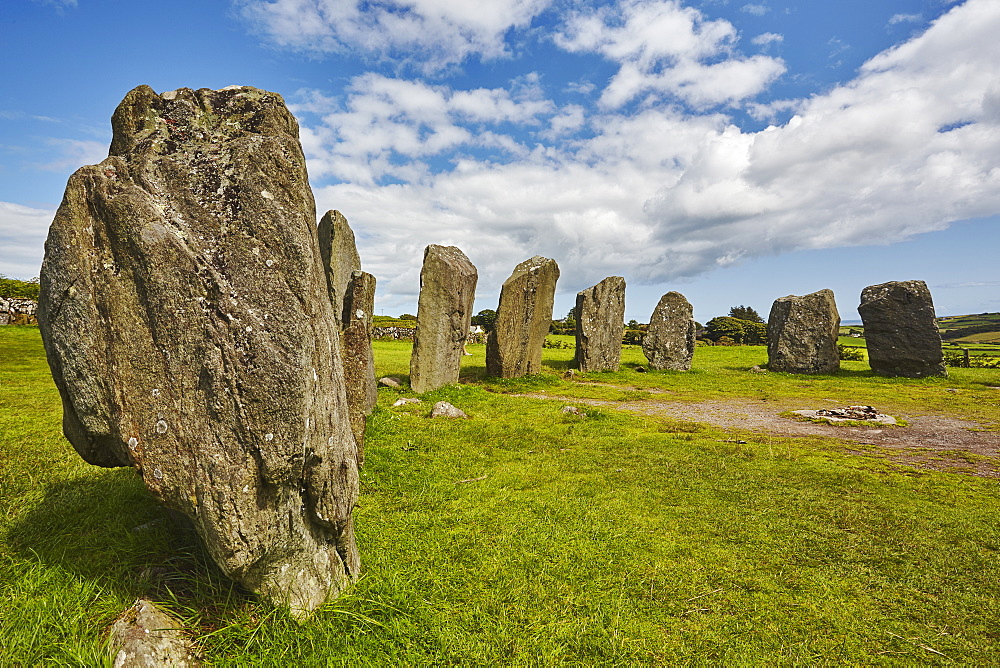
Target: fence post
x=966 y=360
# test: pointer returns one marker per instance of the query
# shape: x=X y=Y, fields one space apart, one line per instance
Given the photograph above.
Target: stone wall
x=17 y=311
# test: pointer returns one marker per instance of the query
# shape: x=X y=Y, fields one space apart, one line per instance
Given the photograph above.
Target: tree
x=407 y=316
x=745 y=313
x=485 y=319
x=725 y=326
x=13 y=287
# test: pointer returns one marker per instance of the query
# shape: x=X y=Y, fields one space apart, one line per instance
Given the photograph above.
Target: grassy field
x=525 y=536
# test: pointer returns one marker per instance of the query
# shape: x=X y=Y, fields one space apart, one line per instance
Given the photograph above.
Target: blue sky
x=735 y=151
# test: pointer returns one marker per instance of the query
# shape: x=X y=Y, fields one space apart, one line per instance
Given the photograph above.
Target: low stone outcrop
x=669 y=341
x=447 y=291
x=901 y=330
x=514 y=345
x=186 y=318
x=146 y=636
x=802 y=334
x=600 y=317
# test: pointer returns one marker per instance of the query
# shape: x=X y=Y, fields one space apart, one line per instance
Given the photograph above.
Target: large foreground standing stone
x=444 y=311
x=802 y=334
x=514 y=346
x=186 y=319
x=600 y=317
x=901 y=330
x=669 y=341
x=359 y=361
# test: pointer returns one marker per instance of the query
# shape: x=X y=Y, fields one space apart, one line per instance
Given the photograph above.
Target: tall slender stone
x=186 y=319
x=600 y=317
x=444 y=311
x=901 y=330
x=802 y=334
x=339 y=253
x=514 y=346
x=359 y=361
x=669 y=341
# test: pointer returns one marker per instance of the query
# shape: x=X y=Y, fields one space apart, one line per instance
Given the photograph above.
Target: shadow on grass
x=108 y=529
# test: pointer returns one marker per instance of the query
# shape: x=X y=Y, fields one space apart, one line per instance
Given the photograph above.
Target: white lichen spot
x=266 y=195
x=156 y=392
x=133 y=443
x=256 y=251
x=268 y=437
x=359 y=314
x=161 y=427
x=315 y=376
x=269 y=263
x=158 y=474
x=249 y=328
x=246 y=488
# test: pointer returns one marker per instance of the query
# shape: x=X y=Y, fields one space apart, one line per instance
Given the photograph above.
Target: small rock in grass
x=389 y=381
x=444 y=409
x=572 y=410
x=406 y=400
x=570 y=374
x=756 y=369
x=144 y=635
x=640 y=369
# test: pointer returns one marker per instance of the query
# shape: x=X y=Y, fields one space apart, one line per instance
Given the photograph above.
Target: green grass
x=528 y=536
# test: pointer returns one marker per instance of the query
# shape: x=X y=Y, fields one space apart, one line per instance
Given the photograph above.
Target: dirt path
x=929 y=441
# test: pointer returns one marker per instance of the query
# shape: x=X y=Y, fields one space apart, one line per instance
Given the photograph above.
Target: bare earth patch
x=928 y=441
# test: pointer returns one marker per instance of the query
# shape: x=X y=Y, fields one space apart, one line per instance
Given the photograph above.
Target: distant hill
x=978 y=328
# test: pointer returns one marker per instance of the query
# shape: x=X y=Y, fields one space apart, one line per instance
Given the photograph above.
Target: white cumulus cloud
x=22 y=235
x=431 y=33
x=908 y=146
x=666 y=49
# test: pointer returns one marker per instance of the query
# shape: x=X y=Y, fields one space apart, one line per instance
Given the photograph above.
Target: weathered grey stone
x=359 y=361
x=901 y=330
x=600 y=318
x=444 y=311
x=186 y=319
x=145 y=636
x=389 y=381
x=802 y=334
x=514 y=346
x=446 y=410
x=340 y=255
x=669 y=341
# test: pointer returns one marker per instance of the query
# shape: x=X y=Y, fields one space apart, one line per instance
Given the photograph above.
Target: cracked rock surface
x=186 y=319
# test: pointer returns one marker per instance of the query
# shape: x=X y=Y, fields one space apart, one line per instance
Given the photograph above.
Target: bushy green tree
x=485 y=319
x=745 y=313
x=727 y=326
x=13 y=287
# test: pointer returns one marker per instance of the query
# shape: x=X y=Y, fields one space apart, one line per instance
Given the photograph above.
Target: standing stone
x=514 y=346
x=359 y=362
x=186 y=319
x=600 y=317
x=340 y=255
x=669 y=341
x=444 y=311
x=901 y=330
x=802 y=334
